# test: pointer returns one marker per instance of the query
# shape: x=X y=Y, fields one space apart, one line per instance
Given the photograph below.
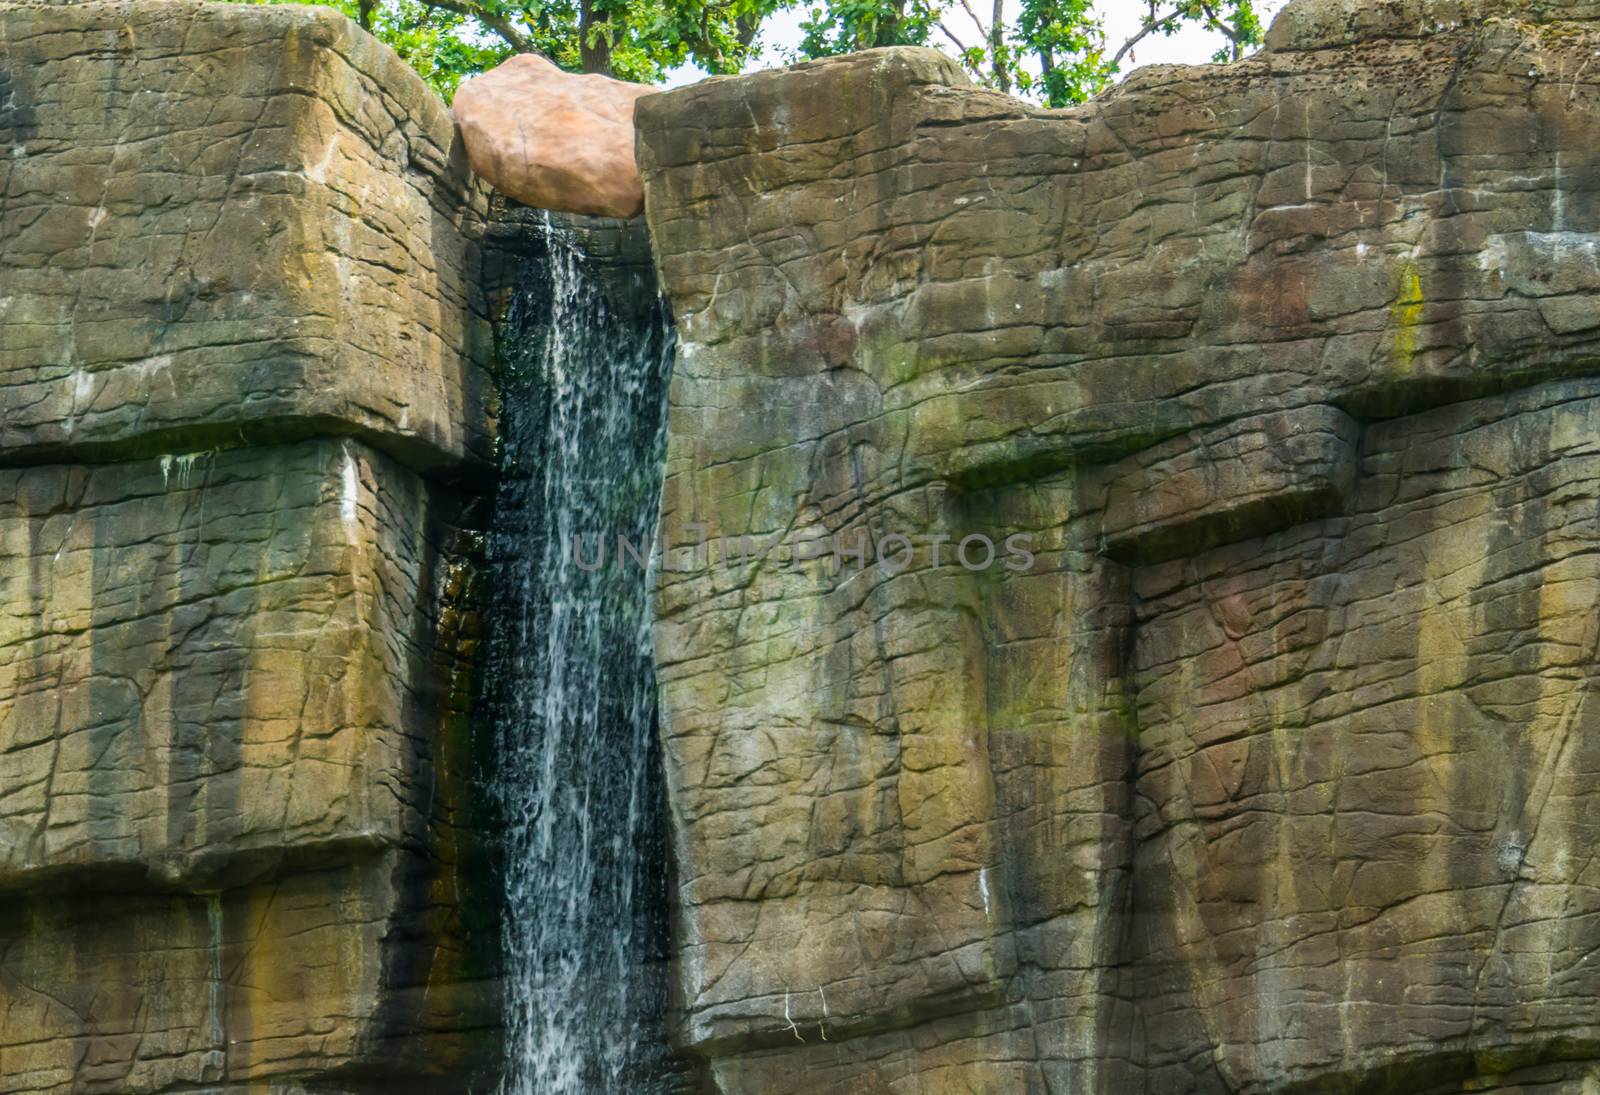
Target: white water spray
x=573 y=688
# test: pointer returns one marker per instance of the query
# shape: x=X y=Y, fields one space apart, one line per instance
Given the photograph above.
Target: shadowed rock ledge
x=1277 y=771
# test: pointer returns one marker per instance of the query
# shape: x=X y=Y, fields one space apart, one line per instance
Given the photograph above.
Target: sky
x=780 y=33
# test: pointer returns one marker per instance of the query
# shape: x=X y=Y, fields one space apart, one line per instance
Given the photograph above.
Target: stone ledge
x=230 y=219
x=290 y=982
x=1331 y=24
x=1244 y=479
x=212 y=664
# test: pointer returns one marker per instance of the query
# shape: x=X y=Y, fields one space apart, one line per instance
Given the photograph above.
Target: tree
x=447 y=40
x=1054 y=50
x=1057 y=51
x=845 y=26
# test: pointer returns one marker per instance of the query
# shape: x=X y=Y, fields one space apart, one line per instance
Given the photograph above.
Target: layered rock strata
x=243 y=373
x=1273 y=772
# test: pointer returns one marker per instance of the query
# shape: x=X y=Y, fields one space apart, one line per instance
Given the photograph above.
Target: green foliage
x=1052 y=50
x=640 y=40
x=844 y=26
x=1057 y=49
x=1067 y=38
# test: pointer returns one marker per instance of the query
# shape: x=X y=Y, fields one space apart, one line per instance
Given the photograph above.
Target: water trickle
x=572 y=688
x=184 y=466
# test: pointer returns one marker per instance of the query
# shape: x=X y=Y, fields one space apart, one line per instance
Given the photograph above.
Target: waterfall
x=571 y=683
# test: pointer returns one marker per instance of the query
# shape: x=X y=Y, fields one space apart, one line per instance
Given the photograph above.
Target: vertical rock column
x=242 y=381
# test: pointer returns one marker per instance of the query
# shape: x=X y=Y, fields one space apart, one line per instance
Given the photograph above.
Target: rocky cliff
x=243 y=374
x=1255 y=759
x=1273 y=771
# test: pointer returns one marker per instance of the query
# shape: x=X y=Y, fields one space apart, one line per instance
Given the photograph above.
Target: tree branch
x=1144 y=32
x=961 y=47
x=1218 y=25
x=983 y=31
x=997 y=45
x=502 y=26
x=746 y=28
x=1235 y=39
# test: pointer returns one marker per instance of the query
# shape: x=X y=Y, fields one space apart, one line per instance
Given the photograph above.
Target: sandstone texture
x=229 y=221
x=1274 y=772
x=552 y=139
x=245 y=404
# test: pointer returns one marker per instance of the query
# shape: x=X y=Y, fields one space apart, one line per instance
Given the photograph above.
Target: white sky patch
x=1193 y=45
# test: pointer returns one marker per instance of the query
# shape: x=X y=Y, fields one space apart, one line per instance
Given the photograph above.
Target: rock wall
x=1271 y=772
x=245 y=409
x=1276 y=771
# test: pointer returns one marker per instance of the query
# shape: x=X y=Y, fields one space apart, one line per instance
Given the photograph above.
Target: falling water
x=572 y=687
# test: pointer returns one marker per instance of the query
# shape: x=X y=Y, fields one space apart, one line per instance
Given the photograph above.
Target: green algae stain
x=1407 y=315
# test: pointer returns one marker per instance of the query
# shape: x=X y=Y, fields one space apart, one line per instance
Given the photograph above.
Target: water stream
x=572 y=691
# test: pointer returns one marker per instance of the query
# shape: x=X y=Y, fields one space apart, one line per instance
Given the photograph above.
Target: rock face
x=1276 y=770
x=243 y=369
x=552 y=139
